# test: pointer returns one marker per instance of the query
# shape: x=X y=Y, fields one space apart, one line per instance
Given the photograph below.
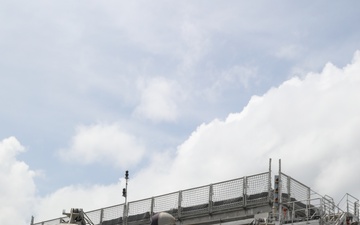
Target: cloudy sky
x=180 y=93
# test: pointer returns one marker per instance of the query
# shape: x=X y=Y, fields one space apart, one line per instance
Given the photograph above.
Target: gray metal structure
x=246 y=200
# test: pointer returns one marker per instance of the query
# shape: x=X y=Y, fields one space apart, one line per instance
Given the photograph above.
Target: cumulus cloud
x=312 y=124
x=103 y=143
x=159 y=99
x=17 y=185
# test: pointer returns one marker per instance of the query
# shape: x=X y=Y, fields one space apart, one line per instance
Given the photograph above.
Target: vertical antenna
x=125 y=190
x=125 y=194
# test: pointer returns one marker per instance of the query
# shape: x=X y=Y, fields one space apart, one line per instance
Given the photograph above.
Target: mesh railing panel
x=139 y=207
x=192 y=201
x=257 y=183
x=167 y=202
x=94 y=216
x=228 y=194
x=293 y=190
x=257 y=188
x=195 y=200
x=299 y=191
x=285 y=188
x=139 y=210
x=113 y=212
x=297 y=196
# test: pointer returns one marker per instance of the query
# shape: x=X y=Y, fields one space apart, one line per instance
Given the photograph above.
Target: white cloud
x=17 y=186
x=312 y=124
x=104 y=143
x=159 y=99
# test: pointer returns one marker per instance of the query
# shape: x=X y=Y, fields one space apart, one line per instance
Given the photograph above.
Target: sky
x=180 y=93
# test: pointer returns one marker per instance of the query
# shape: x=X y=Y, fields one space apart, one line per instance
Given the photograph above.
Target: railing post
x=269 y=182
x=293 y=213
x=245 y=191
x=355 y=208
x=179 y=204
x=322 y=211
x=325 y=206
x=307 y=212
x=211 y=192
x=101 y=216
x=152 y=206
x=288 y=189
x=308 y=200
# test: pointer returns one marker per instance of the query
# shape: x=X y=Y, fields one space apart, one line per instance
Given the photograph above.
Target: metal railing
x=321 y=208
x=293 y=190
x=246 y=191
x=349 y=204
x=296 y=211
x=299 y=203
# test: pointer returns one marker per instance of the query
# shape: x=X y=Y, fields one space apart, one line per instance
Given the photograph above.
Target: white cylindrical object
x=162 y=218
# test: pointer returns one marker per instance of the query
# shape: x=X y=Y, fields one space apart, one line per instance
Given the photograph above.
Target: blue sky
x=91 y=89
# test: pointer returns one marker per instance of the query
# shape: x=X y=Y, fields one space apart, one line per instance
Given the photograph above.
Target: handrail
x=229 y=195
x=228 y=192
x=351 y=204
x=300 y=211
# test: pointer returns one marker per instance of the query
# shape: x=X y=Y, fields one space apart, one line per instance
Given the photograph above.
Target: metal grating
x=294 y=190
x=227 y=194
x=228 y=190
x=285 y=188
x=299 y=191
x=139 y=207
x=223 y=195
x=257 y=183
x=195 y=200
x=257 y=188
x=167 y=202
x=94 y=216
x=113 y=212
